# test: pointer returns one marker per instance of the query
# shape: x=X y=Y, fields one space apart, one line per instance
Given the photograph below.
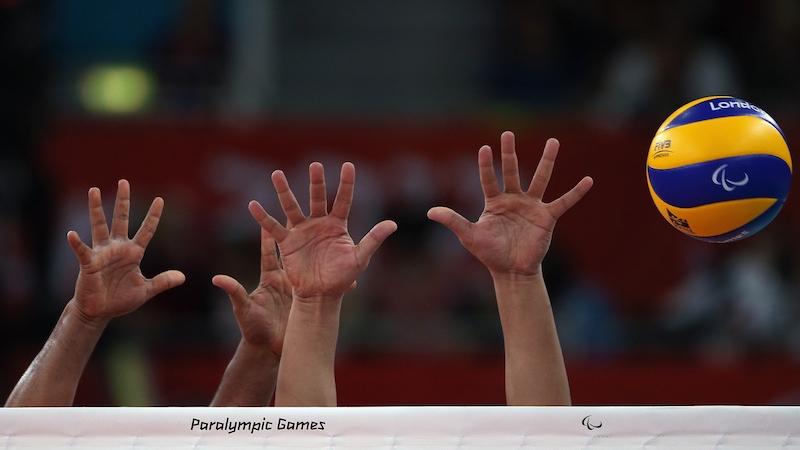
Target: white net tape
x=706 y=427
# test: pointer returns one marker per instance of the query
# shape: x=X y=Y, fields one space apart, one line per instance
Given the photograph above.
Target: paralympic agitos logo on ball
x=720 y=178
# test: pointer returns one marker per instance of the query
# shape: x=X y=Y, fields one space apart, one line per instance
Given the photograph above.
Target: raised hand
x=319 y=256
x=262 y=314
x=513 y=234
x=110 y=282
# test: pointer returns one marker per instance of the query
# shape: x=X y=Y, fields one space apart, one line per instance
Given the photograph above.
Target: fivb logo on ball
x=721 y=166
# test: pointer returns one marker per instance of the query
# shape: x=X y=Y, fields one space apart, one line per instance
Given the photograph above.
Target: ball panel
x=739 y=177
x=683 y=108
x=716 y=139
x=714 y=219
x=748 y=229
x=716 y=107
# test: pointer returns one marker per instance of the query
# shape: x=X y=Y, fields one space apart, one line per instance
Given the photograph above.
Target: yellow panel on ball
x=713 y=219
x=716 y=139
x=683 y=109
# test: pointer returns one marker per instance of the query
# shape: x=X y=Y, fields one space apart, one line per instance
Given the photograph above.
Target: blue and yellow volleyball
x=719 y=169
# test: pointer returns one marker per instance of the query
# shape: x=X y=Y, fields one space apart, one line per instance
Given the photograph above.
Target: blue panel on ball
x=721 y=107
x=720 y=180
x=748 y=229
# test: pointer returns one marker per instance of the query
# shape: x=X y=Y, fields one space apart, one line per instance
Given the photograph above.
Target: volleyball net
x=718 y=427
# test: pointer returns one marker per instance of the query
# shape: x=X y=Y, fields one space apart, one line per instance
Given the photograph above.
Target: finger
x=236 y=292
x=508 y=155
x=541 y=178
x=562 y=204
x=122 y=206
x=150 y=223
x=486 y=172
x=269 y=253
x=163 y=281
x=267 y=222
x=344 y=195
x=97 y=217
x=454 y=221
x=318 y=200
x=81 y=250
x=372 y=240
x=286 y=197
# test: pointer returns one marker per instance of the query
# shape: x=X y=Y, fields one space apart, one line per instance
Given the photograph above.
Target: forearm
x=53 y=376
x=535 y=372
x=249 y=379
x=306 y=373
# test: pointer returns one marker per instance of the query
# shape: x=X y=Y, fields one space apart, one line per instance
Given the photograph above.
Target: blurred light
x=116 y=89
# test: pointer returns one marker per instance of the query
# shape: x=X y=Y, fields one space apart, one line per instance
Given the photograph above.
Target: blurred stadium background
x=199 y=100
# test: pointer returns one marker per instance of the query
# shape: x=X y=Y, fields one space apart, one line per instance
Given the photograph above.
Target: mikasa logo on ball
x=716 y=106
x=719 y=178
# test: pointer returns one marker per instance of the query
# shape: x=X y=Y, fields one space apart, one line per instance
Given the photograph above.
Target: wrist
x=317 y=309
x=73 y=311
x=262 y=353
x=511 y=276
x=320 y=301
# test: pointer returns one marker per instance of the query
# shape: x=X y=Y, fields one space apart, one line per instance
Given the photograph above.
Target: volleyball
x=719 y=169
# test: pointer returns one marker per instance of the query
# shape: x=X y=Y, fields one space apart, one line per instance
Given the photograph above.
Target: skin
x=110 y=284
x=511 y=238
x=321 y=262
x=252 y=374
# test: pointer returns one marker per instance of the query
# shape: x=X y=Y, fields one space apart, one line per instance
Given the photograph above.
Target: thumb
x=81 y=250
x=372 y=240
x=236 y=292
x=163 y=281
x=454 y=221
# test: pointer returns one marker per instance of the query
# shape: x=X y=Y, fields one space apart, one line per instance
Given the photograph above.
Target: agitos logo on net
x=589 y=424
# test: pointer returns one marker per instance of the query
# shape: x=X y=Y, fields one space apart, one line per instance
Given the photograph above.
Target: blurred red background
x=615 y=236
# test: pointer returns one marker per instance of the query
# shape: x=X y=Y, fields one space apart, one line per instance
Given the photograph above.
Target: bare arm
x=53 y=376
x=535 y=372
x=250 y=378
x=322 y=263
x=511 y=239
x=306 y=375
x=110 y=284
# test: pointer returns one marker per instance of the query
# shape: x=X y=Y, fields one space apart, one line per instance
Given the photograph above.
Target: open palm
x=319 y=256
x=514 y=231
x=110 y=282
x=263 y=313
